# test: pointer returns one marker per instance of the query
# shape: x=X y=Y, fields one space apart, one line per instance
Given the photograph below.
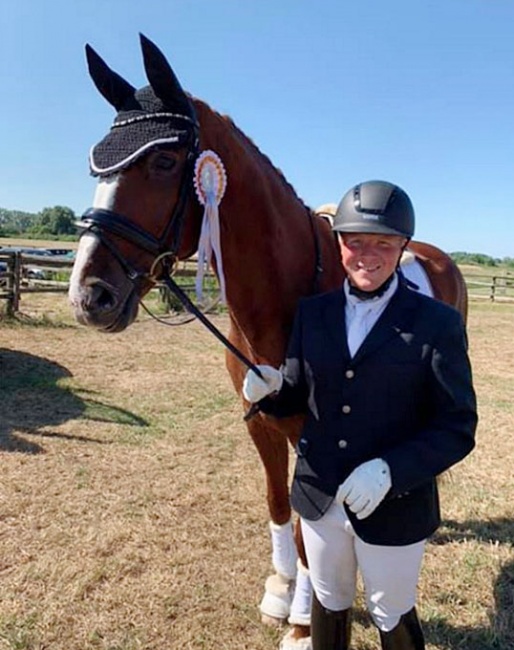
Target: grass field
x=37 y=243
x=132 y=509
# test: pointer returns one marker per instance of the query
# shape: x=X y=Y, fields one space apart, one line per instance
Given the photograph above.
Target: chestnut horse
x=274 y=250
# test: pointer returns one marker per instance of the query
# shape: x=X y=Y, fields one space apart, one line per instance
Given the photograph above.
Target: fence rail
x=21 y=273
x=496 y=288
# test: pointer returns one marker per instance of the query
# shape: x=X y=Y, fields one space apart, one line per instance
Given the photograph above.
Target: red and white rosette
x=210 y=181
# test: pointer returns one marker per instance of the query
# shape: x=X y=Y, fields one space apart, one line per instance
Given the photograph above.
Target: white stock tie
x=357 y=327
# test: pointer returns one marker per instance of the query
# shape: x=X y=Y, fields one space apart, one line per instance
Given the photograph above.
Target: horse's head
x=139 y=219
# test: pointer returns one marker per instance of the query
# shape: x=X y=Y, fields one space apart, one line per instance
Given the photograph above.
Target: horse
x=274 y=249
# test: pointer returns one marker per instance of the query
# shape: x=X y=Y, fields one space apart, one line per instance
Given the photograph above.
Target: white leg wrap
x=284 y=549
x=300 y=613
x=276 y=602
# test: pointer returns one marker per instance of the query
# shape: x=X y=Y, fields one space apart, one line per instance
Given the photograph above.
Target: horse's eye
x=164 y=163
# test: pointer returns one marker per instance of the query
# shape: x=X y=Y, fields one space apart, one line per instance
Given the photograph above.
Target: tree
x=15 y=222
x=58 y=220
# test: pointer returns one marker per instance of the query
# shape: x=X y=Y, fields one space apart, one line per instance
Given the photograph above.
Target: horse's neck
x=267 y=236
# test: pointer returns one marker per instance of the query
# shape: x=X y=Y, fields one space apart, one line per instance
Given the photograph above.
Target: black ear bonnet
x=160 y=114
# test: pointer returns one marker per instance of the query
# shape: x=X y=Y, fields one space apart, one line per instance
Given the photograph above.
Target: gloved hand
x=366 y=487
x=255 y=388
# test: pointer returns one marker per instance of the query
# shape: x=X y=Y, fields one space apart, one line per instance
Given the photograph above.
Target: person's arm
x=283 y=392
x=450 y=434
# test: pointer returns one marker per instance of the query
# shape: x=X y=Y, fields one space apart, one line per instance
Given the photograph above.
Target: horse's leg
x=288 y=593
x=273 y=450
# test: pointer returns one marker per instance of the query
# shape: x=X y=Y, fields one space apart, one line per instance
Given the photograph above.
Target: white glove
x=366 y=487
x=255 y=388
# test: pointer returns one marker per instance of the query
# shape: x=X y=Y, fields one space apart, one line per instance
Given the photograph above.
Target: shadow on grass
x=499 y=635
x=31 y=398
x=495 y=531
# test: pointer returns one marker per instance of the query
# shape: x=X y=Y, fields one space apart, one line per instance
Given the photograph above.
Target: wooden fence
x=495 y=288
x=23 y=273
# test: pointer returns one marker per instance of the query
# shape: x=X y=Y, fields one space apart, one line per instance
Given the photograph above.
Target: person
x=383 y=377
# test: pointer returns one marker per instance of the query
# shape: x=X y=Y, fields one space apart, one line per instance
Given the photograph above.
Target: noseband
x=103 y=222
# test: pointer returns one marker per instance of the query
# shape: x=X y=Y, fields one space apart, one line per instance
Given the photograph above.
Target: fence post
x=17 y=281
x=10 y=286
x=493 y=288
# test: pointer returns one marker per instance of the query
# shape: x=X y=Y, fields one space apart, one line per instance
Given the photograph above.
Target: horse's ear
x=113 y=87
x=162 y=78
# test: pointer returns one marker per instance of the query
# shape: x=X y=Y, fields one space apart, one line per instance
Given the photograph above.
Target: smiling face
x=369 y=259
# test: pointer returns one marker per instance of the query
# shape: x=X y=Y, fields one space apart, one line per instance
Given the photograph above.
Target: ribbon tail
x=215 y=239
x=204 y=257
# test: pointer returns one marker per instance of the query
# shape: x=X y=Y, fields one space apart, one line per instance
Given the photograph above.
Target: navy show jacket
x=406 y=396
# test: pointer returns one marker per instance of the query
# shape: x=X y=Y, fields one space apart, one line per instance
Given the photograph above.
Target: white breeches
x=390 y=573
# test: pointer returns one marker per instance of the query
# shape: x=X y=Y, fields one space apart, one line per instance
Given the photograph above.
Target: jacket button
x=346 y=409
x=342 y=444
x=349 y=374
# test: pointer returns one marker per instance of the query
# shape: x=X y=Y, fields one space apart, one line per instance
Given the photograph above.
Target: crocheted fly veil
x=160 y=114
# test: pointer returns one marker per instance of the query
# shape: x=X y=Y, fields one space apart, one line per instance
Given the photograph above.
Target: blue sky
x=420 y=93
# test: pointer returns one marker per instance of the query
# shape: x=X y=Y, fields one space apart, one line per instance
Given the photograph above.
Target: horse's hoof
x=276 y=602
x=294 y=640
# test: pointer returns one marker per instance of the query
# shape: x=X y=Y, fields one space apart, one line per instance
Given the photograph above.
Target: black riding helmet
x=375 y=207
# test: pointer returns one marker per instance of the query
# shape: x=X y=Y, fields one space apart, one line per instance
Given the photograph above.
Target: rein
x=193 y=309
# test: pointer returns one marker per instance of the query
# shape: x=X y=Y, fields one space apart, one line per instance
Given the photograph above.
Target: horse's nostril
x=101 y=298
x=106 y=300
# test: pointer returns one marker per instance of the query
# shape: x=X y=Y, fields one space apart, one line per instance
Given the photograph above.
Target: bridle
x=164 y=249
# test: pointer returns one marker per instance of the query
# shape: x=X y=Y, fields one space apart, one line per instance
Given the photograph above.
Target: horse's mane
x=249 y=144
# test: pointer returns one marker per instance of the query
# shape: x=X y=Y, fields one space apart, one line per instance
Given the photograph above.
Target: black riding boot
x=329 y=630
x=407 y=635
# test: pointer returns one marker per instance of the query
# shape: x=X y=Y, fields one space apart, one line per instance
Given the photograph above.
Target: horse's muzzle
x=99 y=305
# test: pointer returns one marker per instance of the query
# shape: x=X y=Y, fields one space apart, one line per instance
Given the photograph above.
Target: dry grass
x=132 y=509
x=37 y=243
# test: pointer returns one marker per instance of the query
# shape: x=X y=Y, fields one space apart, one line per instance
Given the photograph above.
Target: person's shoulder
x=435 y=308
x=318 y=299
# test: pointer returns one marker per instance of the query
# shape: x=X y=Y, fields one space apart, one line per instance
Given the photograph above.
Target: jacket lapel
x=335 y=323
x=396 y=319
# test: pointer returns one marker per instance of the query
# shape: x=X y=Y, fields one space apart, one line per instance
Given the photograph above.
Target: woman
x=383 y=376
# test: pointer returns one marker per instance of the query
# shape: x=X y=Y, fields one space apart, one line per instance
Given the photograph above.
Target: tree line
x=481 y=259
x=51 y=223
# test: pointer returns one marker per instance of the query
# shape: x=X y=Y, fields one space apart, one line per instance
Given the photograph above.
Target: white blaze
x=105 y=195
